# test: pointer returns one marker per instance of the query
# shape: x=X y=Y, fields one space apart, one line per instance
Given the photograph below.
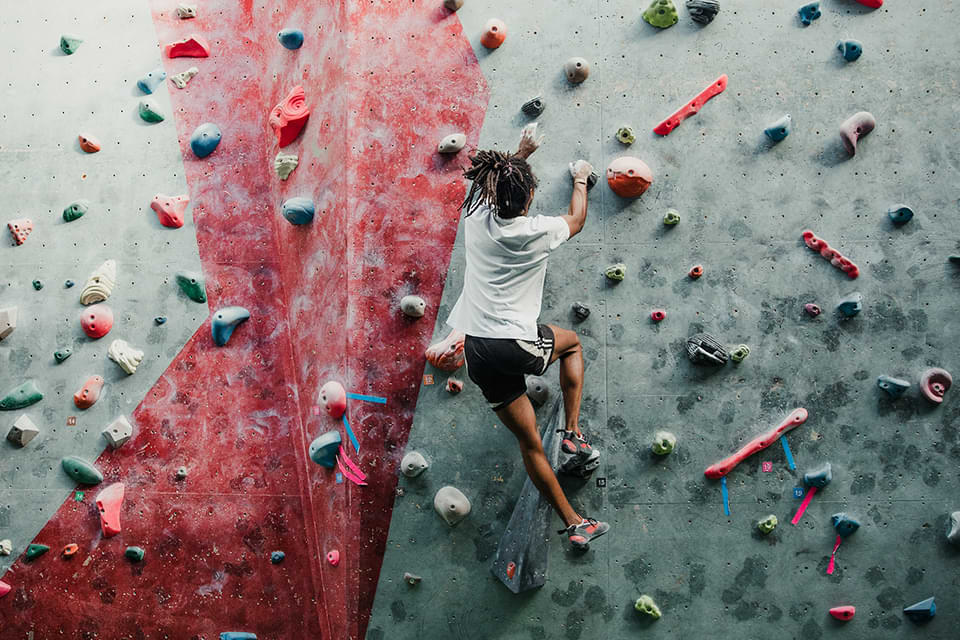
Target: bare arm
x=577 y=213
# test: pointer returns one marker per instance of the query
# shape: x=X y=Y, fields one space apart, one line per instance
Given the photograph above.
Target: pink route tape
x=803 y=505
x=351 y=470
x=830 y=567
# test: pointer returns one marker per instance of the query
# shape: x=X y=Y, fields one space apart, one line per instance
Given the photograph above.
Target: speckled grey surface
x=744 y=204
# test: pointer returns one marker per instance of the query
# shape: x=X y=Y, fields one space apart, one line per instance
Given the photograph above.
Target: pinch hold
x=109 y=502
x=181 y=79
x=894 y=386
x=125 y=355
x=191 y=47
x=494 y=33
x=854 y=128
x=225 y=321
x=284 y=164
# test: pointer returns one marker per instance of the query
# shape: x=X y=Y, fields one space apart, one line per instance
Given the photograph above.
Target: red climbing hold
x=170 y=209
x=511 y=570
x=20 y=229
x=89 y=143
x=873 y=4
x=192 y=47
x=290 y=116
x=657 y=315
x=695 y=271
x=89 y=394
x=843 y=613
x=333 y=557
x=725 y=466
x=454 y=385
x=109 y=502
x=629 y=177
x=691 y=107
x=934 y=384
x=334 y=398
x=97 y=320
x=836 y=259
x=4 y=588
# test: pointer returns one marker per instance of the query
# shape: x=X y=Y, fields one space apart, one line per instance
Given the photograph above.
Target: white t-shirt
x=506 y=265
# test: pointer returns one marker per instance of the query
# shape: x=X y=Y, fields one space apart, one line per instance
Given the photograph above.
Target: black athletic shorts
x=497 y=365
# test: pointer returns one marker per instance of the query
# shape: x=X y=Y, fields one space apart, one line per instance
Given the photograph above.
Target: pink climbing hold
x=934 y=384
x=20 y=229
x=109 y=502
x=812 y=309
x=447 y=355
x=192 y=47
x=334 y=398
x=88 y=395
x=290 y=116
x=97 y=320
x=691 y=107
x=333 y=557
x=761 y=442
x=170 y=209
x=454 y=385
x=873 y=4
x=843 y=613
x=657 y=315
x=4 y=588
x=836 y=259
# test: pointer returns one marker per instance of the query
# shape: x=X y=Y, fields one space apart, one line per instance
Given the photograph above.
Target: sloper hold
x=819 y=477
x=8 y=321
x=843 y=613
x=170 y=209
x=150 y=111
x=118 y=432
x=452 y=143
x=36 y=550
x=855 y=127
x=664 y=443
x=284 y=164
x=192 y=47
x=324 y=448
x=661 y=14
x=97 y=320
x=100 y=283
x=703 y=11
x=193 y=285
x=629 y=177
x=89 y=393
x=333 y=397
x=413 y=464
x=333 y=557
x=900 y=214
x=953 y=533
x=290 y=116
x=75 y=210
x=451 y=504
x=576 y=69
x=88 y=143
x=298 y=210
x=69 y=43
x=181 y=79
x=109 y=502
x=20 y=228
x=225 y=321
x=844 y=524
x=850 y=49
x=719 y=469
x=534 y=107
x=494 y=33
x=205 y=139
x=125 y=355
x=21 y=396
x=23 y=431
x=922 y=611
x=851 y=304
x=645 y=604
x=413 y=306
x=715 y=88
x=934 y=384
x=152 y=80
x=779 y=130
x=809 y=12
x=290 y=38
x=894 y=386
x=82 y=471
x=537 y=390
x=702 y=348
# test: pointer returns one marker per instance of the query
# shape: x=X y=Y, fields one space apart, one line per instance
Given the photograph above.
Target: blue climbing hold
x=851 y=49
x=323 y=450
x=809 y=12
x=276 y=557
x=922 y=611
x=68 y=284
x=298 y=210
x=160 y=319
x=900 y=214
x=851 y=305
x=225 y=321
x=894 y=386
x=844 y=524
x=205 y=139
x=779 y=129
x=291 y=38
x=819 y=477
x=152 y=80
x=237 y=635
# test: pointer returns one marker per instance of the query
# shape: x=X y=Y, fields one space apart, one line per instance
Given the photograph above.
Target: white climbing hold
x=452 y=143
x=22 y=431
x=181 y=79
x=451 y=504
x=8 y=321
x=125 y=355
x=413 y=306
x=186 y=11
x=284 y=164
x=953 y=535
x=6 y=547
x=118 y=432
x=413 y=464
x=100 y=284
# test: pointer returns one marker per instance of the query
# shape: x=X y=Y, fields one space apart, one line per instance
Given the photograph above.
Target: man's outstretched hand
x=580 y=169
x=529 y=141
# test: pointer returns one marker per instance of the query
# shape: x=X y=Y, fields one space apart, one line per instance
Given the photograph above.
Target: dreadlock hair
x=501 y=180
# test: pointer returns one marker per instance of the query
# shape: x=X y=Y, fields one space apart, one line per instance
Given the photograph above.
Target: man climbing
x=507 y=253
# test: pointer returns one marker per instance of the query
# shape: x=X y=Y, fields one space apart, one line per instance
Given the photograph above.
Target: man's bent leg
x=566 y=348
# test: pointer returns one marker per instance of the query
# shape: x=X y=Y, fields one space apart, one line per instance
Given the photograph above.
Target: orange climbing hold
x=109 y=502
x=70 y=550
x=192 y=47
x=494 y=33
x=290 y=116
x=88 y=395
x=170 y=209
x=629 y=177
x=20 y=229
x=89 y=143
x=696 y=271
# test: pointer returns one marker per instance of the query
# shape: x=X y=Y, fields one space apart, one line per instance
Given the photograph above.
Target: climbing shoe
x=581 y=534
x=577 y=457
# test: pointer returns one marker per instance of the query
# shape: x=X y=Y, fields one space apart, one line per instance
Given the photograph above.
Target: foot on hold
x=109 y=501
x=22 y=431
x=152 y=80
x=447 y=355
x=702 y=348
x=454 y=386
x=577 y=70
x=205 y=139
x=661 y=14
x=413 y=464
x=768 y=524
x=581 y=311
x=664 y=443
x=809 y=12
x=276 y=557
x=850 y=49
x=658 y=315
x=851 y=305
x=843 y=613
x=855 y=127
x=333 y=397
x=779 y=130
x=934 y=384
x=75 y=210
x=170 y=209
x=324 y=448
x=225 y=321
x=703 y=11
x=741 y=352
x=671 y=217
x=36 y=550
x=580 y=535
x=451 y=504
x=626 y=136
x=134 y=554
x=812 y=309
x=118 y=432
x=577 y=457
x=125 y=355
x=922 y=611
x=284 y=164
x=181 y=79
x=537 y=390
x=97 y=320
x=193 y=285
x=413 y=306
x=8 y=321
x=100 y=283
x=534 y=107
x=88 y=143
x=88 y=395
x=616 y=272
x=452 y=143
x=819 y=477
x=20 y=229
x=411 y=579
x=953 y=533
x=298 y=210
x=6 y=547
x=494 y=33
x=290 y=116
x=900 y=214
x=192 y=47
x=81 y=471
x=629 y=177
x=844 y=524
x=894 y=386
x=21 y=396
x=290 y=38
x=70 y=43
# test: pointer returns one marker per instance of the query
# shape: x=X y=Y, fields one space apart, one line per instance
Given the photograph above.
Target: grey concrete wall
x=744 y=205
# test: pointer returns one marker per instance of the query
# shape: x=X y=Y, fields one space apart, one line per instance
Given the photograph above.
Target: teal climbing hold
x=779 y=130
x=134 y=554
x=894 y=386
x=81 y=471
x=661 y=14
x=21 y=396
x=237 y=635
x=38 y=284
x=62 y=354
x=276 y=557
x=70 y=43
x=160 y=319
x=324 y=448
x=851 y=305
x=922 y=611
x=844 y=524
x=36 y=550
x=205 y=139
x=75 y=210
x=150 y=111
x=192 y=284
x=225 y=321
x=900 y=214
x=298 y=210
x=851 y=49
x=819 y=477
x=152 y=80
x=68 y=284
x=809 y=12
x=290 y=38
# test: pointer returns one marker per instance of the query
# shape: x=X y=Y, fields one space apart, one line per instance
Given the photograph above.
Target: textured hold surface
x=20 y=228
x=452 y=143
x=69 y=43
x=96 y=320
x=828 y=253
x=181 y=79
x=193 y=285
x=181 y=473
x=850 y=49
x=298 y=210
x=125 y=355
x=658 y=315
x=894 y=386
x=819 y=477
x=856 y=127
x=205 y=139
x=290 y=38
x=324 y=448
x=494 y=33
x=812 y=309
x=89 y=393
x=225 y=321
x=21 y=396
x=922 y=611
x=88 y=143
x=715 y=88
x=100 y=283
x=118 y=432
x=616 y=272
x=447 y=355
x=537 y=390
x=703 y=11
x=900 y=214
x=664 y=443
x=413 y=464
x=186 y=11
x=581 y=310
x=843 y=613
x=8 y=321
x=768 y=524
x=81 y=471
x=626 y=136
x=702 y=348
x=413 y=306
x=109 y=502
x=934 y=384
x=671 y=217
x=191 y=47
x=851 y=304
x=809 y=12
x=284 y=164
x=953 y=531
x=646 y=605
x=290 y=116
x=134 y=554
x=534 y=106
x=451 y=504
x=75 y=210
x=740 y=353
x=779 y=130
x=719 y=469
x=333 y=397
x=629 y=177
x=36 y=550
x=153 y=79
x=22 y=431
x=150 y=111
x=170 y=209
x=576 y=69
x=844 y=524
x=276 y=557
x=661 y=14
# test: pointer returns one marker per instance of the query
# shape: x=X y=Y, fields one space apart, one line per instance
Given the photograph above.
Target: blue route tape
x=360 y=396
x=353 y=438
x=786 y=450
x=726 y=498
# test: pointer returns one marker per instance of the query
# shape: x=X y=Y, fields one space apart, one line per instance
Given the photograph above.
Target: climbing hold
x=75 y=210
x=81 y=471
x=702 y=348
x=850 y=49
x=36 y=550
x=70 y=43
x=413 y=306
x=181 y=79
x=851 y=305
x=695 y=271
x=900 y=214
x=844 y=524
x=70 y=550
x=671 y=217
x=22 y=431
x=89 y=143
x=134 y=554
x=616 y=271
x=645 y=604
x=836 y=259
x=205 y=139
x=922 y=611
x=819 y=477
x=170 y=209
x=452 y=143
x=873 y=4
x=125 y=355
x=324 y=448
x=88 y=395
x=152 y=80
x=577 y=70
x=181 y=473
x=237 y=635
x=779 y=130
x=591 y=179
x=768 y=524
x=809 y=12
x=719 y=469
x=453 y=5
x=626 y=135
x=186 y=11
x=894 y=386
x=494 y=33
x=411 y=579
x=109 y=502
x=21 y=396
x=703 y=11
x=118 y=432
x=581 y=311
x=934 y=384
x=62 y=354
x=413 y=464
x=6 y=547
x=298 y=210
x=224 y=321
x=20 y=229
x=953 y=533
x=454 y=385
x=8 y=321
x=533 y=107
x=629 y=177
x=160 y=320
x=276 y=557
x=150 y=111
x=68 y=284
x=447 y=354
x=290 y=116
x=741 y=352
x=334 y=398
x=284 y=164
x=192 y=47
x=855 y=127
x=843 y=613
x=692 y=107
x=100 y=284
x=4 y=588
x=812 y=309
x=661 y=14
x=658 y=315
x=97 y=320
x=664 y=443
x=451 y=504
x=38 y=284
x=193 y=285
x=290 y=38
x=333 y=557
x=537 y=390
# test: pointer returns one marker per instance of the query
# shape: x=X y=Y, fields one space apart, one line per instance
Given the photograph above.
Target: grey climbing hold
x=819 y=477
x=284 y=164
x=62 y=354
x=152 y=80
x=855 y=127
x=6 y=547
x=8 y=321
x=413 y=306
x=900 y=214
x=225 y=321
x=75 y=210
x=581 y=310
x=70 y=43
x=276 y=557
x=186 y=11
x=205 y=139
x=577 y=70
x=702 y=348
x=851 y=305
x=922 y=611
x=645 y=604
x=664 y=443
x=181 y=473
x=534 y=107
x=452 y=143
x=844 y=524
x=22 y=431
x=192 y=284
x=626 y=136
x=324 y=448
x=81 y=471
x=181 y=79
x=779 y=130
x=451 y=504
x=768 y=524
x=413 y=464
x=298 y=210
x=616 y=272
x=953 y=533
x=850 y=49
x=290 y=38
x=118 y=432
x=894 y=386
x=809 y=12
x=411 y=579
x=703 y=11
x=537 y=390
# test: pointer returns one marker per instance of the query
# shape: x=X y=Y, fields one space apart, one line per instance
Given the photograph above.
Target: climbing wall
x=744 y=203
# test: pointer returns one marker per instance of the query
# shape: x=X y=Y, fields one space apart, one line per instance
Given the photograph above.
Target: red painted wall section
x=385 y=81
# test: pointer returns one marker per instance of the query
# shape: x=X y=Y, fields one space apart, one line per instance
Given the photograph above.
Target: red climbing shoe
x=577 y=457
x=581 y=534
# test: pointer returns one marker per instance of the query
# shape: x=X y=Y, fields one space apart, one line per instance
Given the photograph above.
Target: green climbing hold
x=149 y=111
x=81 y=471
x=664 y=443
x=69 y=43
x=768 y=524
x=193 y=285
x=626 y=136
x=616 y=271
x=645 y=604
x=38 y=284
x=741 y=352
x=36 y=550
x=662 y=14
x=75 y=210
x=23 y=396
x=671 y=217
x=62 y=354
x=134 y=554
